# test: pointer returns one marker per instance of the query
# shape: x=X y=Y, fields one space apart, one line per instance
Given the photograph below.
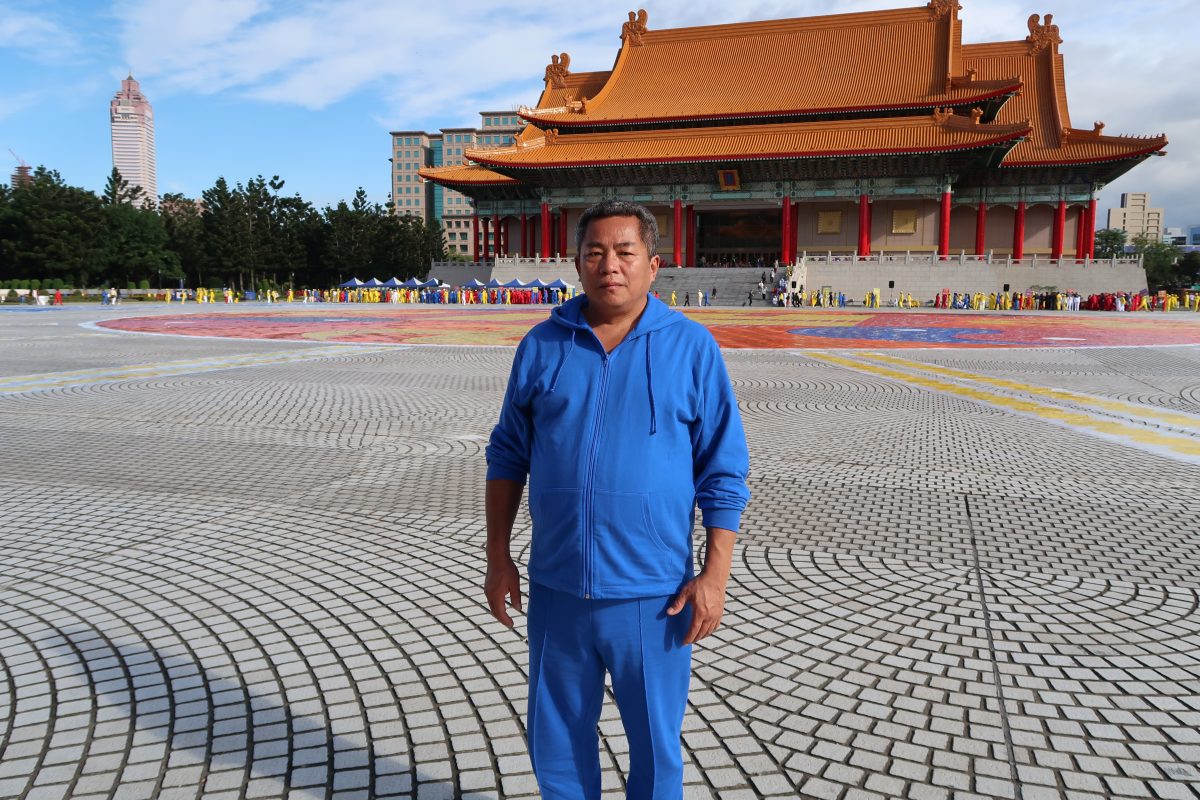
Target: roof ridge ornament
x=557 y=71
x=940 y=9
x=1042 y=35
x=550 y=135
x=942 y=115
x=633 y=30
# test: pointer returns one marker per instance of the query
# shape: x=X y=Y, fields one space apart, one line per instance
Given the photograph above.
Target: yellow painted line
x=1123 y=432
x=56 y=380
x=1118 y=406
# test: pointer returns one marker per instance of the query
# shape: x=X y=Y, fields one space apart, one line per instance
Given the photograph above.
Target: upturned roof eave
x=1010 y=139
x=1071 y=162
x=532 y=116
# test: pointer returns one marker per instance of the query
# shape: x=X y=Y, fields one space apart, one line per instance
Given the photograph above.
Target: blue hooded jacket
x=619 y=449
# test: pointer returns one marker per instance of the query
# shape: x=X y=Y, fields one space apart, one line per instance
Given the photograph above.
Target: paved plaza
x=251 y=568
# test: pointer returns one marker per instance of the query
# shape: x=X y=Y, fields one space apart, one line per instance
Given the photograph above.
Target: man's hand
x=502 y=498
x=502 y=581
x=706 y=593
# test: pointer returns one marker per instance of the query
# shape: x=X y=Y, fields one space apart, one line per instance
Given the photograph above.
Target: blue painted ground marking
x=880 y=333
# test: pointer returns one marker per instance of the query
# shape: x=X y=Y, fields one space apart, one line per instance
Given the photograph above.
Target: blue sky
x=309 y=90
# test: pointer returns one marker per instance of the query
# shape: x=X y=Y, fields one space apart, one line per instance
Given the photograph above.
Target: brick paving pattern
x=251 y=569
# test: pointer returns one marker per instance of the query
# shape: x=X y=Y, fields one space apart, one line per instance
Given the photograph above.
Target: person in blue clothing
x=621 y=416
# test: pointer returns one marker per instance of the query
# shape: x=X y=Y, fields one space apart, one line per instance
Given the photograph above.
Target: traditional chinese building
x=852 y=133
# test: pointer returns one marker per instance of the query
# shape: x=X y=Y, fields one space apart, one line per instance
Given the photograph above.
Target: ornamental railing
x=933 y=259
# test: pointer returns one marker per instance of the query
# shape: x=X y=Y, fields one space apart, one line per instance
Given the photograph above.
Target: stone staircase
x=731 y=284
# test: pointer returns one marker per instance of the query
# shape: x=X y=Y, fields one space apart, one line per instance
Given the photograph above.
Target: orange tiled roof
x=576 y=86
x=751 y=142
x=786 y=67
x=465 y=174
x=1052 y=140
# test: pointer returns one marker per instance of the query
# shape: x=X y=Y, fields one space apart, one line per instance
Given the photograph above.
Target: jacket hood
x=656 y=316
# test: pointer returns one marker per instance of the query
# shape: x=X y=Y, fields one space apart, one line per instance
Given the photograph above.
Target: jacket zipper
x=589 y=477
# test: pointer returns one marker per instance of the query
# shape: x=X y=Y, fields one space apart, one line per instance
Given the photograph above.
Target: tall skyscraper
x=132 y=121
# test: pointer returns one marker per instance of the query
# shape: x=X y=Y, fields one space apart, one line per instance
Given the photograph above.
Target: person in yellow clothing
x=674 y=298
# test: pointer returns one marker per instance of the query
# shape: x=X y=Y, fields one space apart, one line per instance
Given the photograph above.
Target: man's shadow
x=164 y=725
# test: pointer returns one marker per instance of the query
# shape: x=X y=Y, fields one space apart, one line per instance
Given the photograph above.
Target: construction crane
x=22 y=177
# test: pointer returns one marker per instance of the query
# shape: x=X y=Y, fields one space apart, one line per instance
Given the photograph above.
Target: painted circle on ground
x=766 y=328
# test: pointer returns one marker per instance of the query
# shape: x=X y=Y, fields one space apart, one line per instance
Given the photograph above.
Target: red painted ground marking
x=733 y=328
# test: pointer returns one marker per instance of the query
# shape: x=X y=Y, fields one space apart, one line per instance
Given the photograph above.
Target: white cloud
x=39 y=36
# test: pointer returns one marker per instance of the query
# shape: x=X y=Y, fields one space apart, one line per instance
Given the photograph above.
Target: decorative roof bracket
x=1042 y=35
x=633 y=30
x=557 y=71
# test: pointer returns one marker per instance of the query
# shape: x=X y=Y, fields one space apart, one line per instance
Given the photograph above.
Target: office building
x=132 y=122
x=1136 y=218
x=415 y=150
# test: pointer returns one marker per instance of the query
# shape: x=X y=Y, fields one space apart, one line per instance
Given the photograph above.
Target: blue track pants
x=572 y=642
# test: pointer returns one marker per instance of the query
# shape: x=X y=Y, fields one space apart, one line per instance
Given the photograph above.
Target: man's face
x=614 y=267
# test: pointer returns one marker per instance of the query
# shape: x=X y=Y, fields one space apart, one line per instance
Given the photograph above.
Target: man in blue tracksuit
x=621 y=415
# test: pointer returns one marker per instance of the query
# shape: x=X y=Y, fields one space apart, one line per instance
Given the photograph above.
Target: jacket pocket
x=629 y=551
x=556 y=553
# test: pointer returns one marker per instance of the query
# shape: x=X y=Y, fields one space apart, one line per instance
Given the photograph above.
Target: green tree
x=1110 y=242
x=51 y=230
x=350 y=238
x=226 y=242
x=1189 y=270
x=1160 y=260
x=118 y=191
x=135 y=246
x=185 y=236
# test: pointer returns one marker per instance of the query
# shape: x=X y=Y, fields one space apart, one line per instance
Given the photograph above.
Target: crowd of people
x=1067 y=301
x=447 y=295
x=772 y=290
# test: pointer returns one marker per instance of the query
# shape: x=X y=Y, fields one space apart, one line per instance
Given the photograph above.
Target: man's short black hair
x=647 y=224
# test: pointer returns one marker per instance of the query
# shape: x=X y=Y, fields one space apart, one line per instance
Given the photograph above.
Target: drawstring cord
x=650 y=387
x=562 y=363
x=649 y=378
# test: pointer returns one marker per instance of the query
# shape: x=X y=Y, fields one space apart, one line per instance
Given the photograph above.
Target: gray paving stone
x=853 y=648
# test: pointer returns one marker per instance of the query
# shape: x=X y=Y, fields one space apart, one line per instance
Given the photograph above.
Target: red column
x=864 y=225
x=487 y=243
x=1060 y=224
x=524 y=234
x=1018 y=248
x=503 y=236
x=545 y=230
x=1090 y=250
x=689 y=258
x=786 y=218
x=981 y=229
x=795 y=230
x=677 y=231
x=474 y=237
x=944 y=228
x=562 y=232
x=1081 y=233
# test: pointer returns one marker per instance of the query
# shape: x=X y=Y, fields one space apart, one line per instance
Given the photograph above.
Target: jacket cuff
x=503 y=473
x=728 y=518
